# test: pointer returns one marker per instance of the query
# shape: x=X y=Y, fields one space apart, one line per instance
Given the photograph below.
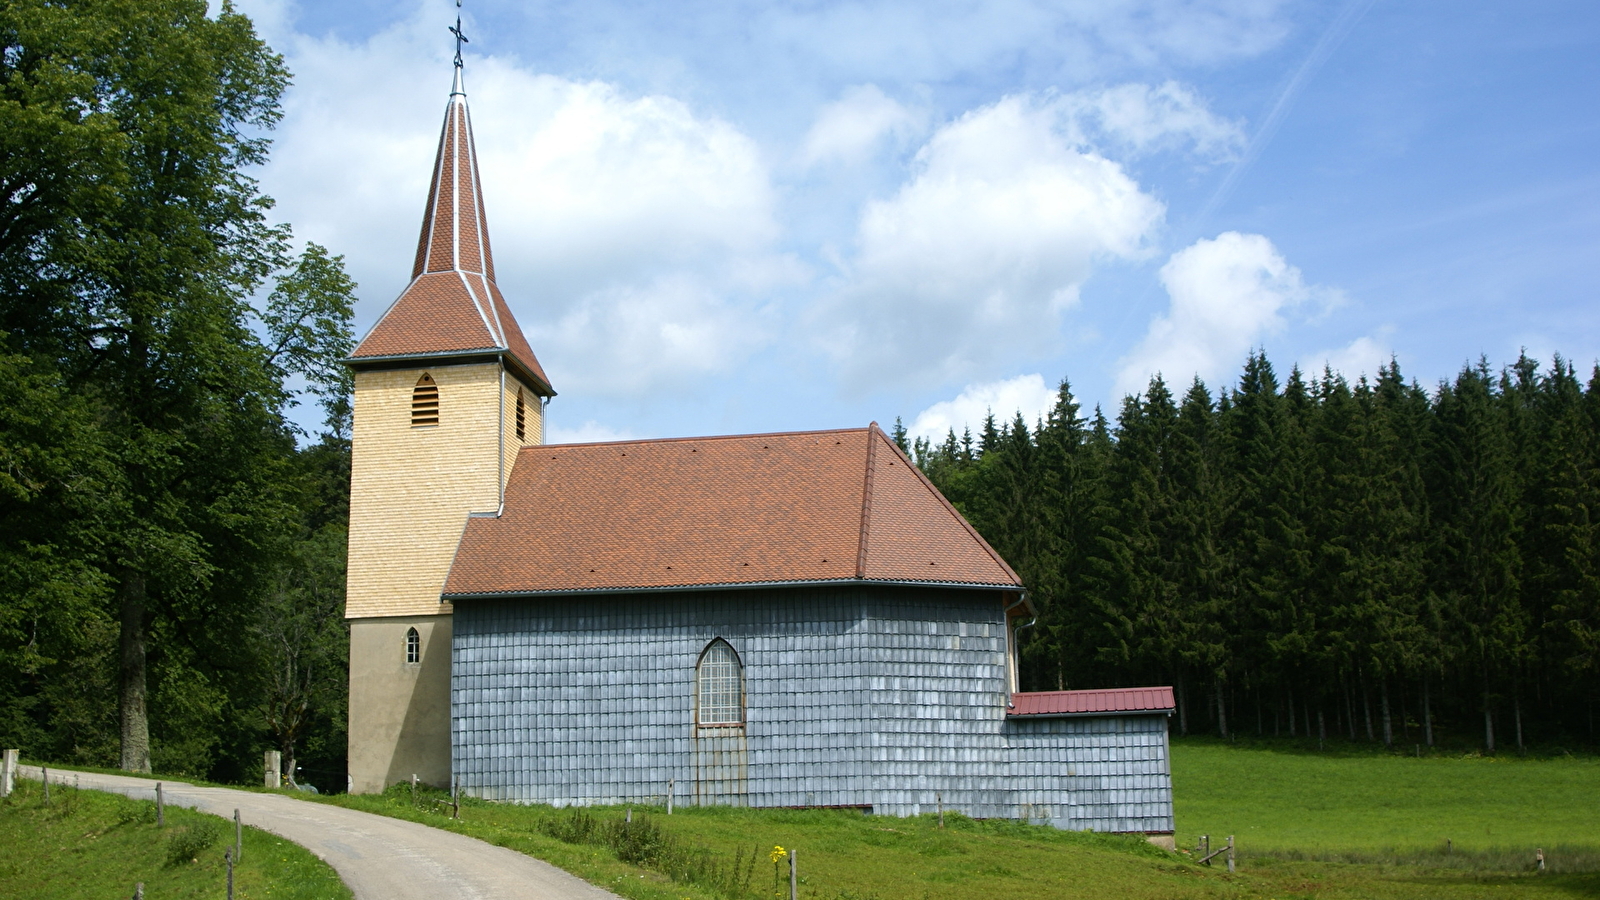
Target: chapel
x=783 y=620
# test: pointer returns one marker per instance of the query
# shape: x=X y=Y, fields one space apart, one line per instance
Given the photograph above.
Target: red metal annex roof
x=452 y=306
x=752 y=509
x=1090 y=703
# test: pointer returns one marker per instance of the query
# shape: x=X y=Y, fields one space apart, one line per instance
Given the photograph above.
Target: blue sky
x=737 y=217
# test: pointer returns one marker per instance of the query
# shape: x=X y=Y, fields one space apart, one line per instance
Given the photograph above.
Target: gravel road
x=378 y=857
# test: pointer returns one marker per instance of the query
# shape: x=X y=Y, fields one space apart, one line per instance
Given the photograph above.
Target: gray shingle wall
x=855 y=696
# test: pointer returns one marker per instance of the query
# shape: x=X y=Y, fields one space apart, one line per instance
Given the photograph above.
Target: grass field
x=1359 y=826
x=1370 y=805
x=1333 y=826
x=90 y=844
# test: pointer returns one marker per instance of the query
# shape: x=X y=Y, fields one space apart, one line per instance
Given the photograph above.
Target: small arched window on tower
x=522 y=417
x=413 y=647
x=425 y=402
x=719 y=687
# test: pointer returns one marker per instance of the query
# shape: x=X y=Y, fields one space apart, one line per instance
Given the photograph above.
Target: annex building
x=794 y=620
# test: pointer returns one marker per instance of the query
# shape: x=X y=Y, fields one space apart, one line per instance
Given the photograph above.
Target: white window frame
x=726 y=706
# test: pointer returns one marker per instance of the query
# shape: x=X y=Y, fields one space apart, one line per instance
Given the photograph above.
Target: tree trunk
x=1516 y=713
x=1388 y=722
x=134 y=716
x=1366 y=707
x=1322 y=729
x=1183 y=709
x=1222 y=709
x=1427 y=713
x=1349 y=712
x=1288 y=702
x=1488 y=730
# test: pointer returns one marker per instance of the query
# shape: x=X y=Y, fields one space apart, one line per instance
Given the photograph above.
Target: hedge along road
x=379 y=858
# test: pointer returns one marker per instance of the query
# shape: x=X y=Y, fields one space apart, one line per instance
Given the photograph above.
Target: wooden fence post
x=413 y=789
x=671 y=784
x=45 y=777
x=940 y=799
x=1230 y=854
x=455 y=798
x=228 y=856
x=8 y=773
x=138 y=891
x=161 y=807
x=794 y=874
x=238 y=836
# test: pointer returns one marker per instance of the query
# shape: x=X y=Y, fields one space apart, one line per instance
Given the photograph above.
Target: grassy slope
x=1282 y=800
x=847 y=856
x=1309 y=803
x=89 y=844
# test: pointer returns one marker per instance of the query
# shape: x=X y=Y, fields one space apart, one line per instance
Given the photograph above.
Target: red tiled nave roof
x=744 y=510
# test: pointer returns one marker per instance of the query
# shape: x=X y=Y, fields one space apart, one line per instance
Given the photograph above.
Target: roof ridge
x=950 y=508
x=696 y=438
x=866 y=502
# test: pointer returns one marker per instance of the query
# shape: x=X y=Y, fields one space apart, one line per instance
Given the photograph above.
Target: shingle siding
x=878 y=697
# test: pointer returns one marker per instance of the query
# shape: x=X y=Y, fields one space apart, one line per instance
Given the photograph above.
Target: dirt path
x=378 y=857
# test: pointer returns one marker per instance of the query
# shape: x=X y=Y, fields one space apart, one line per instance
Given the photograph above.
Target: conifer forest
x=1305 y=556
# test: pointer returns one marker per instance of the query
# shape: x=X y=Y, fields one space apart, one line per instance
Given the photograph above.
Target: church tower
x=446 y=392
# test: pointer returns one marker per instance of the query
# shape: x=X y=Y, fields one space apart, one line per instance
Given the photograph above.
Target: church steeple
x=452 y=307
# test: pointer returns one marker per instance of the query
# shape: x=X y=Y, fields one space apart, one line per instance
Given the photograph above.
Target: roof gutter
x=484 y=354
x=726 y=586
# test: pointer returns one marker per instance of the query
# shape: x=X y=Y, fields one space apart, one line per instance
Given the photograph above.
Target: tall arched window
x=719 y=687
x=425 y=402
x=413 y=646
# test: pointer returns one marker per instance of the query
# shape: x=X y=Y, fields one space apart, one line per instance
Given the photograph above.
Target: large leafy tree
x=131 y=240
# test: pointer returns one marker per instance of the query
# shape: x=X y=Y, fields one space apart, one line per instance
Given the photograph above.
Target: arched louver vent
x=425 y=402
x=522 y=417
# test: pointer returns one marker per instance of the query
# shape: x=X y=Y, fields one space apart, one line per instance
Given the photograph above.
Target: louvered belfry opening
x=425 y=402
x=522 y=417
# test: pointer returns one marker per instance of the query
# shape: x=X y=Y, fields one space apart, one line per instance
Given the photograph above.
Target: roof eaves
x=431 y=354
x=715 y=586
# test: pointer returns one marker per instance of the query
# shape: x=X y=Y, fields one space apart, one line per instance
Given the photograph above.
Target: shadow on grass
x=1560 y=859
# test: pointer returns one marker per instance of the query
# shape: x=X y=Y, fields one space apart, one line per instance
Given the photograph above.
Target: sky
x=741 y=217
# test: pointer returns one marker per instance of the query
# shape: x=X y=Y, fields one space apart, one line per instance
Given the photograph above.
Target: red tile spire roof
x=452 y=307
x=746 y=510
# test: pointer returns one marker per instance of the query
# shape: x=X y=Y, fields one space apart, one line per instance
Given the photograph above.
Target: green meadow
x=1285 y=800
x=1342 y=824
x=90 y=845
x=1307 y=825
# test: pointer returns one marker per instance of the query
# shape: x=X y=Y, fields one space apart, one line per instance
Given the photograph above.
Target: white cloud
x=634 y=232
x=1362 y=356
x=851 y=128
x=1142 y=118
x=1227 y=295
x=1026 y=394
x=973 y=260
x=590 y=432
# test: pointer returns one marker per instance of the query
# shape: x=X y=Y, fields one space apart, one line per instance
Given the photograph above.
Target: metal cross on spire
x=460 y=38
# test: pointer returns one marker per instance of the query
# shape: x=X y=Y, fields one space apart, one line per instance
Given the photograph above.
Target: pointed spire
x=453 y=306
